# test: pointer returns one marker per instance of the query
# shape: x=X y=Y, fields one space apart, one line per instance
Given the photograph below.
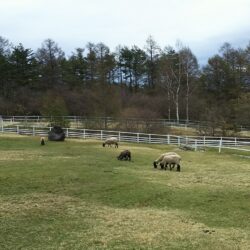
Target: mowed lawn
x=77 y=195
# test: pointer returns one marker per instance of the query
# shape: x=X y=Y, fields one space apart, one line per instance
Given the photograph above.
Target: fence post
x=17 y=129
x=83 y=133
x=149 y=138
x=235 y=141
x=101 y=134
x=119 y=136
x=168 y=139
x=179 y=140
x=33 y=131
x=195 y=145
x=2 y=125
x=220 y=145
x=138 y=138
x=67 y=132
x=204 y=140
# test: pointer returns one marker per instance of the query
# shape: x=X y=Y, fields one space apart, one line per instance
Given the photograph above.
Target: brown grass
x=145 y=227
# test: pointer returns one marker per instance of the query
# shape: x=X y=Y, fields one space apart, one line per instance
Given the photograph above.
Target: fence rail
x=192 y=141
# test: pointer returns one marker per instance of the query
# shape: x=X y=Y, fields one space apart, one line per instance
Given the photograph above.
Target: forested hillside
x=148 y=82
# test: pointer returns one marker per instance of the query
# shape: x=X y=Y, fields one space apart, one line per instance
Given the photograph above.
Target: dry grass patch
x=18 y=155
x=14 y=135
x=26 y=203
x=119 y=228
x=155 y=229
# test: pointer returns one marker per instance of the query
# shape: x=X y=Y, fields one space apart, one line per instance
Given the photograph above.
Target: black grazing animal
x=124 y=155
x=42 y=140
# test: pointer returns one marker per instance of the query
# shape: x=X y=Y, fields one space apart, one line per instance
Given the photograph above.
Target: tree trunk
x=187 y=100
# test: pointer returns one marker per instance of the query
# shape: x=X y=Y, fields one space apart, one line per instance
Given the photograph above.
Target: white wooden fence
x=78 y=119
x=195 y=142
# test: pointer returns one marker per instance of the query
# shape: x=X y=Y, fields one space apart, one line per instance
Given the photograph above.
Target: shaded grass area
x=77 y=195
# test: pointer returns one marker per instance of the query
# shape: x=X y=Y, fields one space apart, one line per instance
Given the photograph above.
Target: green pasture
x=77 y=195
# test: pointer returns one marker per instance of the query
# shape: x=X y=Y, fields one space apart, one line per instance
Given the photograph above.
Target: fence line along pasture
x=194 y=142
x=78 y=120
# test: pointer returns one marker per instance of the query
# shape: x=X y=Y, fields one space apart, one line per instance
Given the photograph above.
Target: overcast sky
x=202 y=25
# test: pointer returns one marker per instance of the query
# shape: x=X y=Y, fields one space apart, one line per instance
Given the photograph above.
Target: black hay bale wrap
x=56 y=134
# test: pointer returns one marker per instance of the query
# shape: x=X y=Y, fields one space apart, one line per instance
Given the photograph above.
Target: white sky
x=203 y=25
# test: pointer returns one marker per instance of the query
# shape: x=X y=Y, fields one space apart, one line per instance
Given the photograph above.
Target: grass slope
x=77 y=195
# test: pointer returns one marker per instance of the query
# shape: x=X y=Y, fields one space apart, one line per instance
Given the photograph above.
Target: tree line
x=149 y=82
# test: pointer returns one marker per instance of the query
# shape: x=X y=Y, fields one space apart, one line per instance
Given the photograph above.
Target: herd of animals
x=169 y=159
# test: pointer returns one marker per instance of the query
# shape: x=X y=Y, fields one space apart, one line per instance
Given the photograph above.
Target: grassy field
x=77 y=195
